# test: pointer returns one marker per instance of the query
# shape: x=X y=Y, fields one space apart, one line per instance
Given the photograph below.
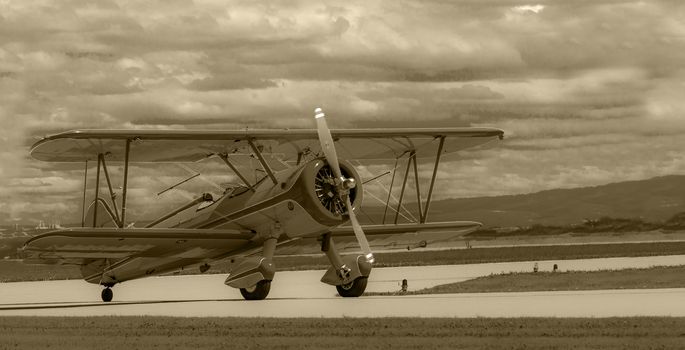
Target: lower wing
x=457 y=227
x=111 y=255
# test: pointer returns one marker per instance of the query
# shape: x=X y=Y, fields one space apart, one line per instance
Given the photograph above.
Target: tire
x=107 y=295
x=258 y=292
x=354 y=289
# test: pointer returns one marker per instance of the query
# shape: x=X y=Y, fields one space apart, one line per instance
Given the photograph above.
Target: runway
x=300 y=294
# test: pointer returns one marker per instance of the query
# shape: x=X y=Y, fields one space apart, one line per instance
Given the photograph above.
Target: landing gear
x=254 y=274
x=353 y=289
x=259 y=291
x=107 y=294
x=349 y=274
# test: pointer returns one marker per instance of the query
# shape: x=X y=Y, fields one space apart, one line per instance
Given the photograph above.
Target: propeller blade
x=326 y=141
x=359 y=233
x=328 y=148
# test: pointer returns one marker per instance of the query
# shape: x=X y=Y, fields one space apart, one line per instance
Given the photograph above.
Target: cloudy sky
x=588 y=92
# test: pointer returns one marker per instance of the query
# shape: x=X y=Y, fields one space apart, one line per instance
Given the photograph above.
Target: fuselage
x=298 y=204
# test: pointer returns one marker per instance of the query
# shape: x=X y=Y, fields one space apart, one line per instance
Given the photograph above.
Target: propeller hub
x=349 y=183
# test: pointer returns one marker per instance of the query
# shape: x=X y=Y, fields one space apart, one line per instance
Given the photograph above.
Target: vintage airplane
x=312 y=196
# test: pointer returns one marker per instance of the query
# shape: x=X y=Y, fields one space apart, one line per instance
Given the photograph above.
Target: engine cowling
x=320 y=195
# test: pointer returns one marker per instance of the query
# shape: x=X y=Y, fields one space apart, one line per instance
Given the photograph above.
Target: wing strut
x=265 y=165
x=85 y=187
x=115 y=214
x=205 y=197
x=416 y=182
x=178 y=184
x=123 y=195
x=97 y=193
x=392 y=182
x=435 y=173
x=404 y=184
x=109 y=185
x=119 y=220
x=411 y=160
x=224 y=157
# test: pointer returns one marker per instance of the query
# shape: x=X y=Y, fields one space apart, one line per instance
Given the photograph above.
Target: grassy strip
x=13 y=271
x=655 y=277
x=343 y=333
x=489 y=255
x=17 y=271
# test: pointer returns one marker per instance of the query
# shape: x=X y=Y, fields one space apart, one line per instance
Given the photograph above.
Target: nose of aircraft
x=328 y=147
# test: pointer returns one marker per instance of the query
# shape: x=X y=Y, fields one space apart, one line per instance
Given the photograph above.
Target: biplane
x=311 y=194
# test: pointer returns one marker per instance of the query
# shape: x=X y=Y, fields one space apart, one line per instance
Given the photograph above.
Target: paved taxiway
x=300 y=294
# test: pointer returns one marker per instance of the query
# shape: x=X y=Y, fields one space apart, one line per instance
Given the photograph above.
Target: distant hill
x=653 y=200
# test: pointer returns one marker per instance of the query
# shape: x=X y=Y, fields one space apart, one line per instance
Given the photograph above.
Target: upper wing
x=194 y=145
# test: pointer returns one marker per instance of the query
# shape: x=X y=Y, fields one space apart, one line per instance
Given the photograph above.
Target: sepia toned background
x=587 y=92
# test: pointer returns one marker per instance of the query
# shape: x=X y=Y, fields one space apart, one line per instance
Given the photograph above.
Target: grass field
x=17 y=271
x=504 y=254
x=655 y=277
x=344 y=333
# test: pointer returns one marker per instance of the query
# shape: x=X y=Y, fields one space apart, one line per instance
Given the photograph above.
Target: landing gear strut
x=107 y=294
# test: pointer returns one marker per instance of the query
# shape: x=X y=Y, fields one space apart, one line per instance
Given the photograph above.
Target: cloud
x=587 y=92
x=528 y=8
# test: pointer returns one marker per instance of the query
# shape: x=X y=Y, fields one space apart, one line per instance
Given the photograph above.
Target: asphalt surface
x=300 y=294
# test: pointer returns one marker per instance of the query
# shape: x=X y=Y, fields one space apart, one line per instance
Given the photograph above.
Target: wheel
x=353 y=289
x=257 y=292
x=107 y=295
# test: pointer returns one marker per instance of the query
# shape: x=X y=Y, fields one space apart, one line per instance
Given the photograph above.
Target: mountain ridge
x=655 y=199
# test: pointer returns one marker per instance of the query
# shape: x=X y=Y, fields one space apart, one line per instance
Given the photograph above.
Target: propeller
x=342 y=184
